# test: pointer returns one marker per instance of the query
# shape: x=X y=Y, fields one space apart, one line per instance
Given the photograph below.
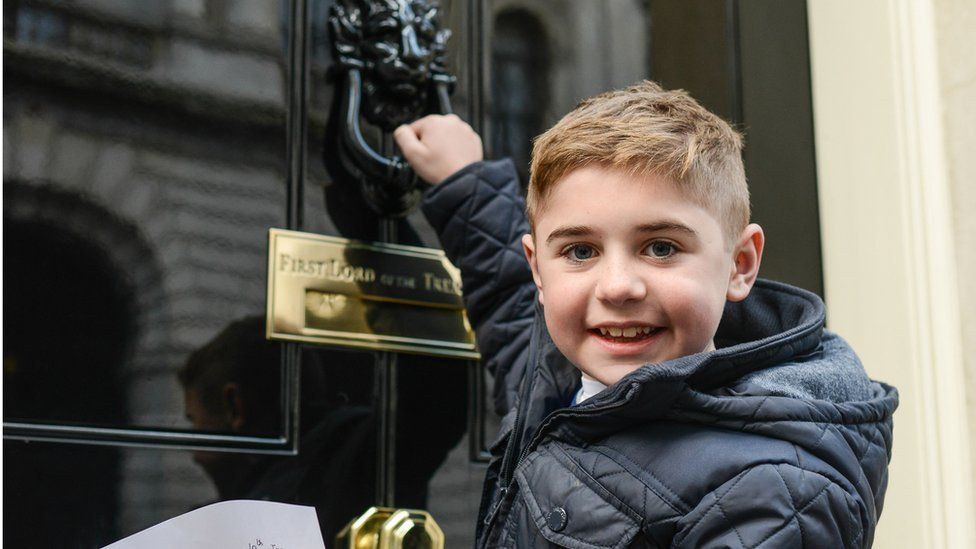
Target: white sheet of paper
x=236 y=524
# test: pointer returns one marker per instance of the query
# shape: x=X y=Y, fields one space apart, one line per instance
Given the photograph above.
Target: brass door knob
x=387 y=528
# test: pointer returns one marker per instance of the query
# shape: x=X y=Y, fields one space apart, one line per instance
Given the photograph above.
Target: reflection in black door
x=146 y=154
x=56 y=281
x=520 y=62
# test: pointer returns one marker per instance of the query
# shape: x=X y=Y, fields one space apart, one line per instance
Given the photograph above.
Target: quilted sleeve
x=772 y=506
x=480 y=219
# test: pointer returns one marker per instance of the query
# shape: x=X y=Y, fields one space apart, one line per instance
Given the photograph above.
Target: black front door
x=149 y=147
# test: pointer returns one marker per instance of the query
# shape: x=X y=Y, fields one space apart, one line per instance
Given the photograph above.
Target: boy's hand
x=436 y=146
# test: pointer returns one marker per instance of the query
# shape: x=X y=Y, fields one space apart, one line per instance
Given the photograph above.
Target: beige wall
x=894 y=137
x=955 y=20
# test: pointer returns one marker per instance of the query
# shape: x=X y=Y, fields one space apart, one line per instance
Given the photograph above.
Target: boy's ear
x=528 y=245
x=746 y=257
x=234 y=412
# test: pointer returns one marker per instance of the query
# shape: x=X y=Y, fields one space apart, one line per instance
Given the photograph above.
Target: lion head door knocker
x=390 y=58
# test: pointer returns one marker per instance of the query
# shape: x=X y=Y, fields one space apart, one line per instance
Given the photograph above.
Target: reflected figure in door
x=232 y=385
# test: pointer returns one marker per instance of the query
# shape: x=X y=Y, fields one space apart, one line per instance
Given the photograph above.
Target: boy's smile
x=631 y=271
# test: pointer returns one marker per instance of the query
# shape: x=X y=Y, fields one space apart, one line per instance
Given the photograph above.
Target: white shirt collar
x=590 y=388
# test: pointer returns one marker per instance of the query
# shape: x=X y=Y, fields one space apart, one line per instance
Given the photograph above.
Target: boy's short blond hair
x=645 y=129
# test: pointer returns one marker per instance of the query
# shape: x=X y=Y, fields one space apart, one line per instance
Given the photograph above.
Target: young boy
x=669 y=398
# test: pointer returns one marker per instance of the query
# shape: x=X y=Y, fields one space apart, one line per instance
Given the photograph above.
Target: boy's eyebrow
x=572 y=230
x=656 y=227
x=661 y=226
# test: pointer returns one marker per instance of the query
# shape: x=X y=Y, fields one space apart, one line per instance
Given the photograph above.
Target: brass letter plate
x=389 y=297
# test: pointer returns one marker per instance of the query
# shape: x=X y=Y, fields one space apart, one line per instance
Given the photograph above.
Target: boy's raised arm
x=479 y=216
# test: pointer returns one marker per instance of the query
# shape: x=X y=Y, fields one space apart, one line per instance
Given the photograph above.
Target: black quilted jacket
x=776 y=439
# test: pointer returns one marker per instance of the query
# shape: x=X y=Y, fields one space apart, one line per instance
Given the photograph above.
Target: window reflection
x=59 y=279
x=232 y=384
x=143 y=162
x=519 y=85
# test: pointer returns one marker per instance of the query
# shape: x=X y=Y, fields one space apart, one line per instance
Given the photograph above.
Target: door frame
x=888 y=249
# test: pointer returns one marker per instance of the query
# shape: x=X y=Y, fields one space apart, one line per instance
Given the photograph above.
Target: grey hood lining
x=832 y=373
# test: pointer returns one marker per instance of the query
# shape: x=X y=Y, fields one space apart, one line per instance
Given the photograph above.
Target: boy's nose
x=619 y=284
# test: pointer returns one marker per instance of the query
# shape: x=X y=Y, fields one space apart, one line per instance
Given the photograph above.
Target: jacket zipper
x=507 y=469
x=567 y=412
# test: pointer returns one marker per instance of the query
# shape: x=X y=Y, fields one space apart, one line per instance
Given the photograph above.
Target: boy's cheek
x=701 y=287
x=565 y=332
x=700 y=293
x=699 y=302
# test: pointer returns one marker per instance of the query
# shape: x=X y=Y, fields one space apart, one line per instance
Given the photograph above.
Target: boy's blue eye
x=581 y=252
x=661 y=249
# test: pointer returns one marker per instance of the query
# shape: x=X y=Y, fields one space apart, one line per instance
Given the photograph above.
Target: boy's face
x=631 y=272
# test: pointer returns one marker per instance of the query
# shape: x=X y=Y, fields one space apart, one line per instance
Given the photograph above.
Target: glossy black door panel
x=145 y=158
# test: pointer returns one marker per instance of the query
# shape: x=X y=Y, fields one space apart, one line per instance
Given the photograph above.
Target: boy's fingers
x=401 y=131
x=406 y=138
x=420 y=124
x=406 y=133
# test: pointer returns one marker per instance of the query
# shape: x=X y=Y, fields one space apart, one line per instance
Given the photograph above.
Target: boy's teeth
x=632 y=331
